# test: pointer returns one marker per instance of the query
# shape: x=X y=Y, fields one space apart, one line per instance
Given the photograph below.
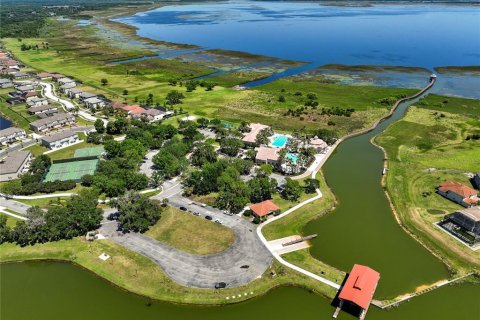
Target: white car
x=218 y=221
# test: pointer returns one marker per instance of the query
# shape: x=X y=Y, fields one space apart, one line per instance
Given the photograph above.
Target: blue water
x=279 y=141
x=422 y=35
x=4 y=123
x=292 y=157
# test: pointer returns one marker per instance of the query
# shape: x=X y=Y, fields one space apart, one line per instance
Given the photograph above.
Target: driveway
x=147 y=166
x=201 y=271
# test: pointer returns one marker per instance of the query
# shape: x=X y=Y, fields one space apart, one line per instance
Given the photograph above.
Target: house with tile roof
x=459 y=193
x=264 y=208
x=267 y=155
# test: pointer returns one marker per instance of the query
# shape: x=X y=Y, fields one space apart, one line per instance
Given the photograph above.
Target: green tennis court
x=73 y=170
x=89 y=152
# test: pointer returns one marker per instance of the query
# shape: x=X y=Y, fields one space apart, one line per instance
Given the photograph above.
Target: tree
x=168 y=165
x=190 y=86
x=234 y=196
x=291 y=190
x=281 y=98
x=174 y=97
x=311 y=185
x=125 y=92
x=87 y=180
x=231 y=146
x=137 y=212
x=202 y=154
x=261 y=188
x=104 y=81
x=263 y=135
x=209 y=86
x=264 y=170
x=99 y=126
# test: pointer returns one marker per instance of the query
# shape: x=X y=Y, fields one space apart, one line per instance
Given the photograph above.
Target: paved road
x=18 y=146
x=49 y=92
x=147 y=166
x=196 y=270
x=14 y=205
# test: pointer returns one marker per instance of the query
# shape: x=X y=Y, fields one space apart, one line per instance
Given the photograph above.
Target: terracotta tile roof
x=267 y=153
x=263 y=208
x=255 y=129
x=117 y=104
x=360 y=286
x=457 y=188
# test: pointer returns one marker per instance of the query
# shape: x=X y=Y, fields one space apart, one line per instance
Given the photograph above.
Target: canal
x=362 y=228
x=47 y=290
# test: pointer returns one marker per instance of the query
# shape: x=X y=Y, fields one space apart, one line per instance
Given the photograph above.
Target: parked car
x=203 y=205
x=196 y=213
x=208 y=217
x=218 y=221
x=183 y=208
x=220 y=285
x=228 y=213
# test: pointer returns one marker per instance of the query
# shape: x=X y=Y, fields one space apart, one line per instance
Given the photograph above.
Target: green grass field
x=190 y=233
x=73 y=170
x=427 y=147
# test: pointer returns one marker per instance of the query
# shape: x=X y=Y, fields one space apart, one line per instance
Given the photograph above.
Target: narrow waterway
x=46 y=290
x=362 y=228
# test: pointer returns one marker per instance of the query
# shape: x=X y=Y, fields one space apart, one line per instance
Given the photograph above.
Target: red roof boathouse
x=359 y=288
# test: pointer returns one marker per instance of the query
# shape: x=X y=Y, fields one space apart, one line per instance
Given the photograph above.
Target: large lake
x=409 y=35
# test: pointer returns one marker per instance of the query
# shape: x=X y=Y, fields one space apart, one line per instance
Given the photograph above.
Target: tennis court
x=89 y=152
x=73 y=170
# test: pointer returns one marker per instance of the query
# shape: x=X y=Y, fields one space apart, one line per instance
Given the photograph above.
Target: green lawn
x=69 y=152
x=424 y=149
x=190 y=233
x=17 y=119
x=234 y=78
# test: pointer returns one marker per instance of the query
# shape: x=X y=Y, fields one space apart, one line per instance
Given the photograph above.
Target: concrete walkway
x=16 y=216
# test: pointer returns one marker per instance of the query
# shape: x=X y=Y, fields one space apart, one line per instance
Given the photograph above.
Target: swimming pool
x=292 y=157
x=279 y=141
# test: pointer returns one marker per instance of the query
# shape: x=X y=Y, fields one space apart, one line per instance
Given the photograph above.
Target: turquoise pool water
x=292 y=157
x=279 y=141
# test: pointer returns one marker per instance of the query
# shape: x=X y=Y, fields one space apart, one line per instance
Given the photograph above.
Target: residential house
x=20 y=75
x=476 y=181
x=15 y=100
x=464 y=224
x=57 y=76
x=86 y=95
x=27 y=96
x=64 y=87
x=317 y=143
x=11 y=134
x=268 y=155
x=264 y=208
x=36 y=102
x=65 y=80
x=133 y=110
x=25 y=88
x=117 y=104
x=94 y=103
x=14 y=164
x=459 y=193
x=56 y=121
x=60 y=139
x=6 y=83
x=73 y=93
x=47 y=109
x=44 y=76
x=251 y=136
x=153 y=114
